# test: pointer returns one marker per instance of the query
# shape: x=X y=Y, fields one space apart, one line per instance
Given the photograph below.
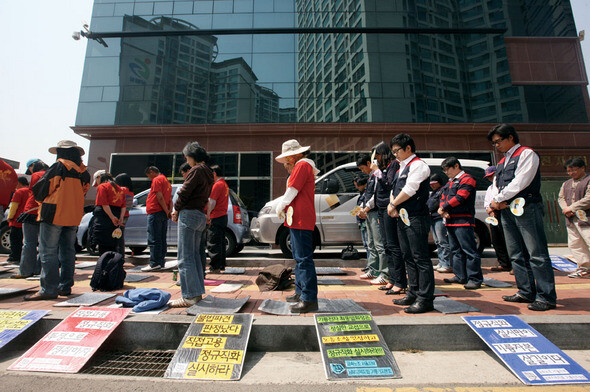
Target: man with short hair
x=457 y=207
x=408 y=202
x=519 y=201
x=574 y=200
x=217 y=221
x=158 y=209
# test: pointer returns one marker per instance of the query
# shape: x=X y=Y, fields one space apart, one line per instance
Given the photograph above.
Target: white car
x=336 y=197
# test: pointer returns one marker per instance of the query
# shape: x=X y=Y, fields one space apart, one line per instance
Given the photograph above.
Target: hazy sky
x=41 y=71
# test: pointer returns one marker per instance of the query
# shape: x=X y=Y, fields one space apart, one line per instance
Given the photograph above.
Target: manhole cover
x=152 y=363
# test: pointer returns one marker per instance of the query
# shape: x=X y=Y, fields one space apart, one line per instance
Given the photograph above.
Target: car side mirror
x=330 y=186
x=134 y=202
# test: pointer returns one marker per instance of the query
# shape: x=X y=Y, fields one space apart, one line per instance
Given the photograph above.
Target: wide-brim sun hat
x=97 y=174
x=291 y=147
x=66 y=144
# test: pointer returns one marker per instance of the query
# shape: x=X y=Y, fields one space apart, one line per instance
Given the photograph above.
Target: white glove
x=285 y=201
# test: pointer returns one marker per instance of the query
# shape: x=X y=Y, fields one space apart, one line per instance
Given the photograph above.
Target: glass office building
x=241 y=76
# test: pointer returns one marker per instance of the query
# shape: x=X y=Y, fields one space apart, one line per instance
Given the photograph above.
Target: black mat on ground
x=328 y=280
x=233 y=271
x=439 y=293
x=136 y=277
x=281 y=308
x=450 y=306
x=216 y=305
x=86 y=299
x=135 y=269
x=491 y=282
x=329 y=271
x=6 y=291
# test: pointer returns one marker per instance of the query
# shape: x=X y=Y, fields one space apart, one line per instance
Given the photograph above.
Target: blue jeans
x=413 y=240
x=439 y=233
x=30 y=263
x=533 y=272
x=306 y=281
x=393 y=251
x=466 y=259
x=157 y=229
x=377 y=262
x=191 y=224
x=57 y=250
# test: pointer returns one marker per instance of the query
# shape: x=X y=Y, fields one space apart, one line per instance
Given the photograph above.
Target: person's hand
x=392 y=211
x=115 y=221
x=362 y=214
x=489 y=211
x=280 y=211
x=567 y=211
x=174 y=216
x=445 y=215
x=374 y=166
x=498 y=206
x=208 y=221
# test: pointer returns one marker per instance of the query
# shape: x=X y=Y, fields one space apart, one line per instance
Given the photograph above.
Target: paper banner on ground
x=449 y=306
x=328 y=280
x=15 y=322
x=352 y=347
x=216 y=305
x=6 y=291
x=213 y=348
x=281 y=308
x=563 y=264
x=136 y=277
x=491 y=282
x=528 y=354
x=227 y=288
x=68 y=346
x=86 y=299
x=233 y=271
x=213 y=282
x=329 y=271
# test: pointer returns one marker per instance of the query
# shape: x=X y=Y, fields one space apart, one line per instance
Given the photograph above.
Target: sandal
x=395 y=292
x=388 y=286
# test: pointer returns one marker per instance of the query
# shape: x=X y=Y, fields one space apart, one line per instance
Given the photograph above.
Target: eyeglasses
x=497 y=141
x=396 y=150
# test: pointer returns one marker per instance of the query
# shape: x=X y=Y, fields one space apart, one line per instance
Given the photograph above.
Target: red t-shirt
x=20 y=196
x=107 y=195
x=219 y=193
x=159 y=184
x=8 y=181
x=31 y=203
x=303 y=180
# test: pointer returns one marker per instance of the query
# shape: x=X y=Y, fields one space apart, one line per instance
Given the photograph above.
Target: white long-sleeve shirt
x=419 y=171
x=526 y=170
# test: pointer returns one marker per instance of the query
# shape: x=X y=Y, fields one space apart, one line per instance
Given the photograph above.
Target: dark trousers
x=216 y=242
x=16 y=243
x=499 y=243
x=465 y=256
x=413 y=241
x=157 y=230
x=393 y=251
x=306 y=280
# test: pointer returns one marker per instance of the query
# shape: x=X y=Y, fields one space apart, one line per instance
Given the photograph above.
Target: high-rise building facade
x=213 y=71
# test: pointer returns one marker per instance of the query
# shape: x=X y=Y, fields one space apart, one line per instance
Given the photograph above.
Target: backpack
x=349 y=253
x=108 y=274
x=274 y=277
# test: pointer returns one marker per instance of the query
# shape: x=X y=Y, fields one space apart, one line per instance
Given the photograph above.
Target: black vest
x=415 y=205
x=385 y=184
x=505 y=174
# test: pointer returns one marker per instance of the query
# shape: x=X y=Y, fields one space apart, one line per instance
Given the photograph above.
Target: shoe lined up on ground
x=419 y=307
x=472 y=285
x=150 y=268
x=444 y=270
x=379 y=281
x=184 y=302
x=304 y=307
x=367 y=275
x=541 y=306
x=293 y=298
x=454 y=279
x=579 y=273
x=516 y=298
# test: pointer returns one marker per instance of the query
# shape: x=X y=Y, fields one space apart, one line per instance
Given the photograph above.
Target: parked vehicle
x=335 y=198
x=237 y=233
x=4 y=236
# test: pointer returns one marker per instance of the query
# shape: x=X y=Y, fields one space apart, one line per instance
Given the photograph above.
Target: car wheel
x=137 y=250
x=239 y=248
x=230 y=244
x=285 y=244
x=5 y=239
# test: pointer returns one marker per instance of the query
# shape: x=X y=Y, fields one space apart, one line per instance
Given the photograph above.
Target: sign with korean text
x=353 y=348
x=68 y=346
x=213 y=348
x=563 y=264
x=528 y=354
x=15 y=322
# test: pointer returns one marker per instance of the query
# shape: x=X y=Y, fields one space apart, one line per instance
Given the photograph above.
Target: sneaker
x=184 y=302
x=378 y=281
x=579 y=273
x=445 y=270
x=149 y=268
x=368 y=275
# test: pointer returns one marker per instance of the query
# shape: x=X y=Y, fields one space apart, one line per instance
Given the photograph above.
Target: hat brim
x=53 y=150
x=281 y=158
x=489 y=175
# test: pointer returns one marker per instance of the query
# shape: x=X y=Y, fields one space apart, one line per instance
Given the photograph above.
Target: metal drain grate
x=151 y=363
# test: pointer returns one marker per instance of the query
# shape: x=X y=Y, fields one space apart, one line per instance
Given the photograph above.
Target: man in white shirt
x=408 y=202
x=519 y=201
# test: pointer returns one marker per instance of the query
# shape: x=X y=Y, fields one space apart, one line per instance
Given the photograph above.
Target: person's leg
x=499 y=244
x=376 y=236
x=397 y=264
x=49 y=236
x=457 y=256
x=163 y=237
x=216 y=242
x=151 y=229
x=466 y=237
x=442 y=244
x=585 y=233
x=302 y=240
x=518 y=256
x=67 y=258
x=16 y=243
x=417 y=236
x=191 y=224
x=29 y=261
x=387 y=245
x=579 y=246
x=411 y=268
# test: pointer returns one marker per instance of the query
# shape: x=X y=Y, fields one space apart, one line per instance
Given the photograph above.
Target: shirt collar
x=509 y=153
x=458 y=175
x=405 y=162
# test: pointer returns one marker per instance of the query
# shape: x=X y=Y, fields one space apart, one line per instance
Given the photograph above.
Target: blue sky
x=41 y=71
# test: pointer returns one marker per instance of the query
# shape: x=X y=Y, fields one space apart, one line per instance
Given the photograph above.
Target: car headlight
x=265 y=210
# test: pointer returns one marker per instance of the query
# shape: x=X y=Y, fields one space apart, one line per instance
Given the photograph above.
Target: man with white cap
x=61 y=193
x=297 y=208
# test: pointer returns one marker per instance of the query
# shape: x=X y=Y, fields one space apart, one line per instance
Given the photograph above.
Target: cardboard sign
x=68 y=346
x=353 y=348
x=563 y=264
x=528 y=354
x=15 y=322
x=213 y=348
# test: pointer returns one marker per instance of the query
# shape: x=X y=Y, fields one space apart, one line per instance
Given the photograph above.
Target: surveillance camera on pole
x=76 y=35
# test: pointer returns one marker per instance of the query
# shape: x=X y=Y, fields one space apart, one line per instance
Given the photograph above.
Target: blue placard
x=528 y=354
x=14 y=322
x=562 y=264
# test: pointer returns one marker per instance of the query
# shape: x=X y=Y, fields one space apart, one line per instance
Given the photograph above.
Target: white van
x=336 y=197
